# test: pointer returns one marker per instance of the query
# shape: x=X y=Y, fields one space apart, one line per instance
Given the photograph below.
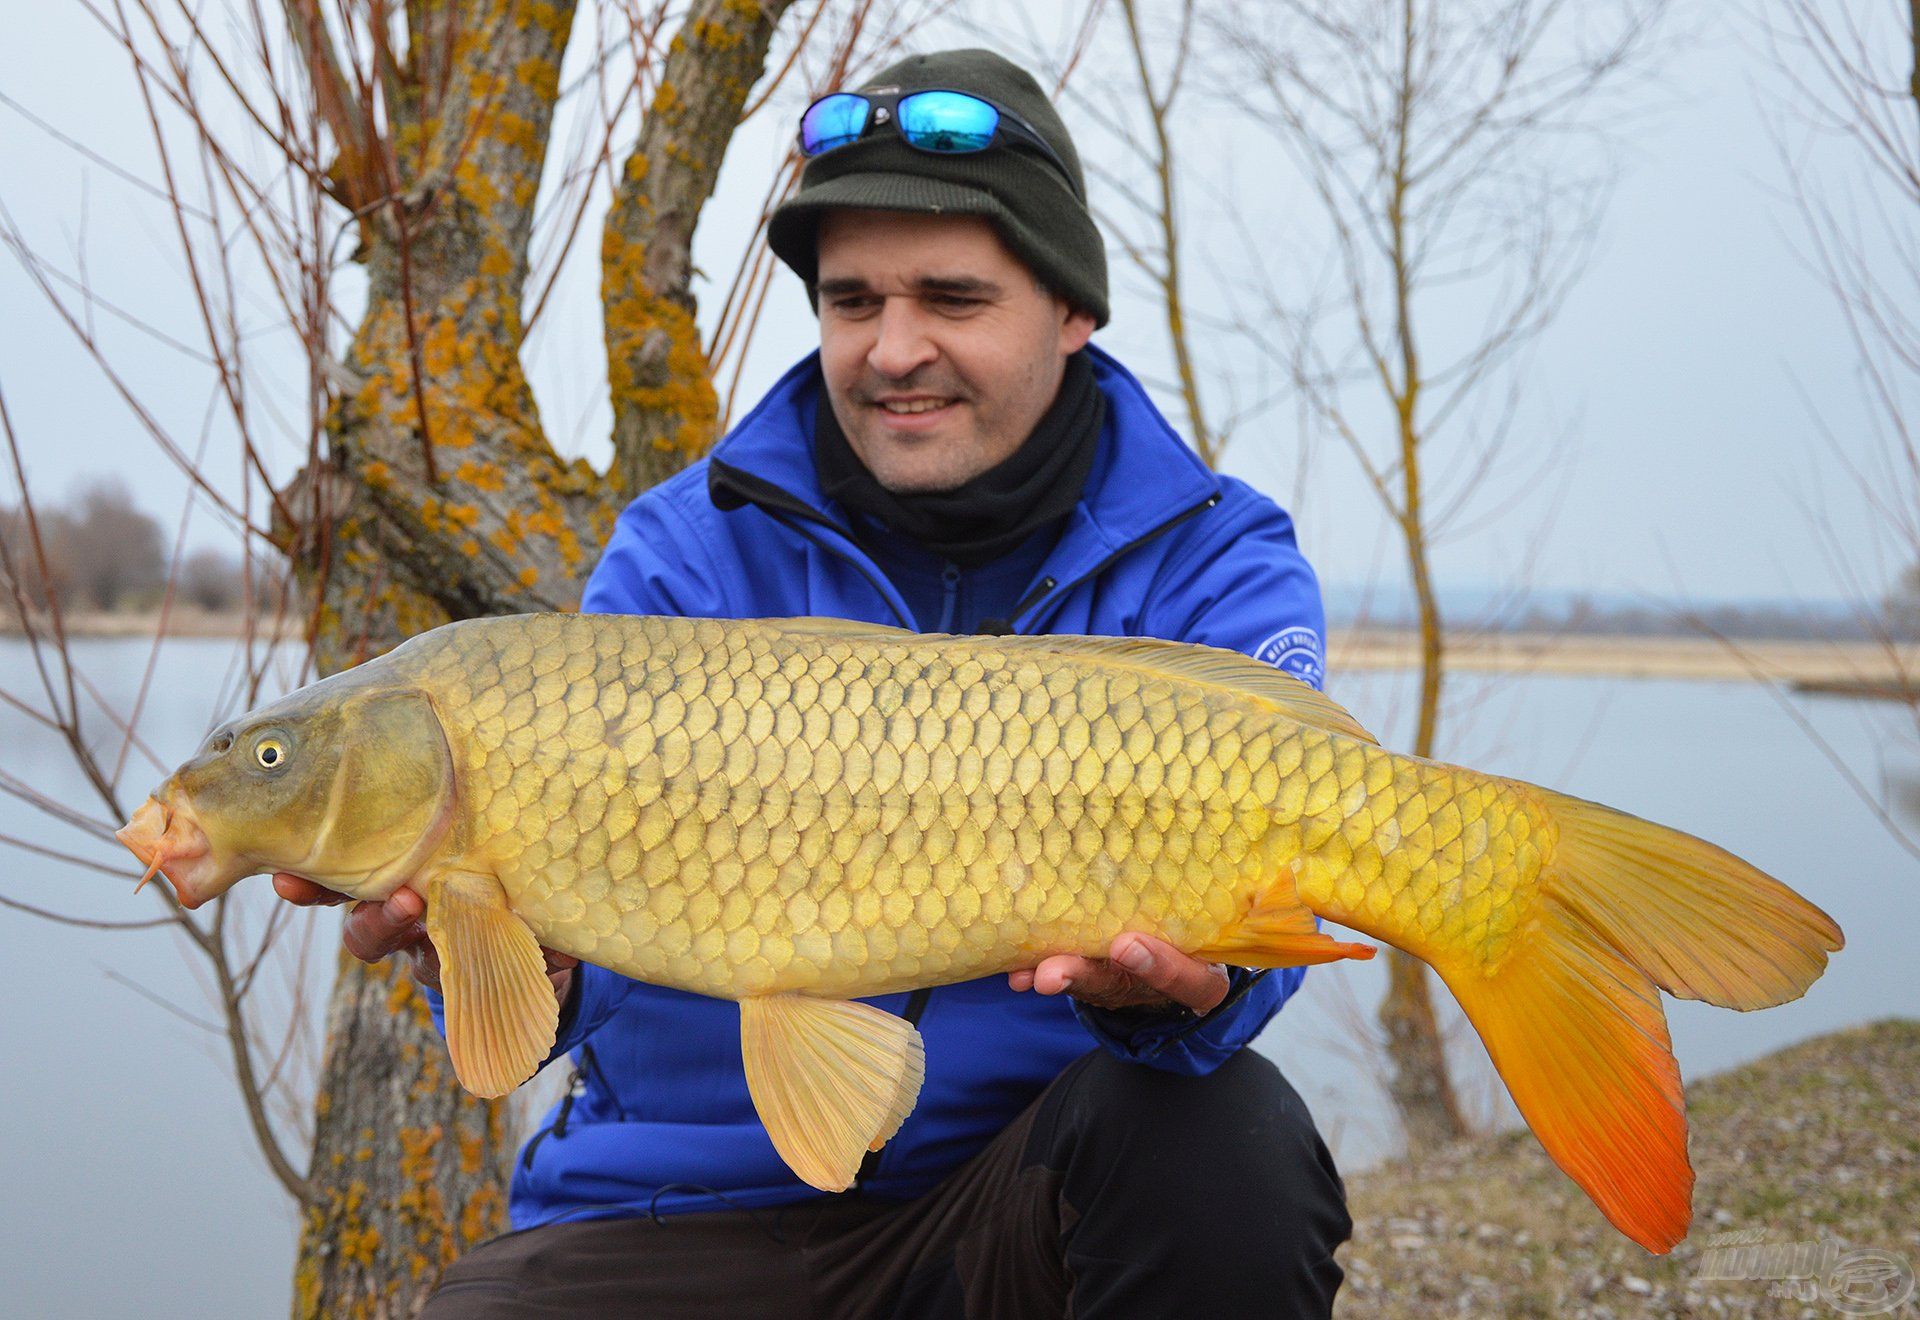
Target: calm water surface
x=135 y=1187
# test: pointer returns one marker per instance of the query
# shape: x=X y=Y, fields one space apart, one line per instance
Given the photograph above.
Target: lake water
x=135 y=1187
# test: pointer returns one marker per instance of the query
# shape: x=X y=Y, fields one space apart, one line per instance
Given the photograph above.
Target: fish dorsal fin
x=502 y=1014
x=832 y=1079
x=1212 y=665
x=852 y=630
x=1190 y=661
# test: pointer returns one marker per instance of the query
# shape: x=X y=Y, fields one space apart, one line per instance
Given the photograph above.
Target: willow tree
x=440 y=497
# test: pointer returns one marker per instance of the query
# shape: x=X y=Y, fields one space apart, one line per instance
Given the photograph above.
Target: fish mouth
x=169 y=841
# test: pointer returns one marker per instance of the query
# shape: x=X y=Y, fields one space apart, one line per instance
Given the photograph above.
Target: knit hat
x=1040 y=214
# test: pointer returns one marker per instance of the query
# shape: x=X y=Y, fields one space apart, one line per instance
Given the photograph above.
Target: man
x=1091 y=1136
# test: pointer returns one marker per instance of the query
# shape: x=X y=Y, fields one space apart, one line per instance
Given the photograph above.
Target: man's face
x=940 y=350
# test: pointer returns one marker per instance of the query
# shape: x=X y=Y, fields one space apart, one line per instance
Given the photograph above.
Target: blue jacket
x=658 y=1118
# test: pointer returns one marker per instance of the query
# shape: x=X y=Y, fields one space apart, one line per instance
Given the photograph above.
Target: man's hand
x=374 y=931
x=1139 y=971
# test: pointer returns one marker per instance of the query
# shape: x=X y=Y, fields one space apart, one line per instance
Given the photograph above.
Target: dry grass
x=1821 y=1140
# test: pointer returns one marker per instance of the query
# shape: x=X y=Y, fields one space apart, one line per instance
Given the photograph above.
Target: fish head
x=347 y=785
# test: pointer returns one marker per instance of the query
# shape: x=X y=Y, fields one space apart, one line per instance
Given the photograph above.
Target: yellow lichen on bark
x=549 y=18
x=472 y=1151
x=638 y=320
x=511 y=130
x=716 y=35
x=401 y=994
x=421 y=1206
x=484 y=1214
x=481 y=475
x=542 y=77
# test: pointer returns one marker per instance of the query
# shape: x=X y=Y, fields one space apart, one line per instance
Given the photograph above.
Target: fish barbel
x=794 y=812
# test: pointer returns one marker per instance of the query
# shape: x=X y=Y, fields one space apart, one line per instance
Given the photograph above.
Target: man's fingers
x=1140 y=970
x=426 y=963
x=1084 y=978
x=374 y=930
x=1187 y=981
x=299 y=890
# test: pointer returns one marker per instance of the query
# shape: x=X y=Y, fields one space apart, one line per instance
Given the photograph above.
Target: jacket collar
x=1144 y=478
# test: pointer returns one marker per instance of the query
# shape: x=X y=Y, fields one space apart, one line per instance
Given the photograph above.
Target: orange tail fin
x=1571 y=1012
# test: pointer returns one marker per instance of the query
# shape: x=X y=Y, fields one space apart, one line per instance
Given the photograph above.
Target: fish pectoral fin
x=502 y=1014
x=1278 y=931
x=831 y=1079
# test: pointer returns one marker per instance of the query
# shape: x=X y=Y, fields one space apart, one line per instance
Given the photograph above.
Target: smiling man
x=1092 y=1137
x=939 y=350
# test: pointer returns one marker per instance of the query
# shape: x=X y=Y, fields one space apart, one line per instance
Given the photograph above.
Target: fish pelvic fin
x=502 y=1013
x=831 y=1079
x=1278 y=931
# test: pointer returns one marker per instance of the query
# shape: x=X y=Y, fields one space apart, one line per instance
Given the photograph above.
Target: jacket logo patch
x=1295 y=651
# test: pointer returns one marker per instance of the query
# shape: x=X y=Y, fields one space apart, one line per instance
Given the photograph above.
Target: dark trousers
x=1121 y=1191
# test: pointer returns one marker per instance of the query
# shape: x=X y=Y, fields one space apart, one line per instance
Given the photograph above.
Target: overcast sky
x=1691 y=370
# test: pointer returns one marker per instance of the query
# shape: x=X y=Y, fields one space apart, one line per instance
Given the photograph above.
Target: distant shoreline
x=1840 y=668
x=182 y=621
x=1852 y=668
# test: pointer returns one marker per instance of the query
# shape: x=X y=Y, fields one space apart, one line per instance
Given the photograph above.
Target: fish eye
x=270 y=753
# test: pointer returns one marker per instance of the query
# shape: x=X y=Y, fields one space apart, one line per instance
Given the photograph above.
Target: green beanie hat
x=1040 y=214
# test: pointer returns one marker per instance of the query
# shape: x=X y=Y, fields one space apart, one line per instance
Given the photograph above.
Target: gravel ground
x=1817 y=1145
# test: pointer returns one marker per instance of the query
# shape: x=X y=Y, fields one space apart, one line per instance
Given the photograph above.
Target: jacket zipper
x=1045 y=586
x=950 y=580
x=576 y=1087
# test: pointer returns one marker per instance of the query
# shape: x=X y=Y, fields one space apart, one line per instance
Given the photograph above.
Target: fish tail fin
x=1570 y=1012
x=1578 y=1036
x=1699 y=921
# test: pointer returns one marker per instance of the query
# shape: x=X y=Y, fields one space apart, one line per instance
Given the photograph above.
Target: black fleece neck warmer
x=984 y=518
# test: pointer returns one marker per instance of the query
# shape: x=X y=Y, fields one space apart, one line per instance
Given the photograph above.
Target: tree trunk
x=1421 y=1087
x=440 y=498
x=664 y=405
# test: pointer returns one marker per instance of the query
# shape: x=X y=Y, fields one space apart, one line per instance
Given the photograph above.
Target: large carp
x=794 y=812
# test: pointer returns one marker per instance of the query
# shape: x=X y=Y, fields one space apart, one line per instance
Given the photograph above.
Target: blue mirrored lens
x=947 y=121
x=832 y=121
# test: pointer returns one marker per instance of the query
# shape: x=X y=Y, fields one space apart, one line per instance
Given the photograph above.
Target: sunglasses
x=944 y=123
